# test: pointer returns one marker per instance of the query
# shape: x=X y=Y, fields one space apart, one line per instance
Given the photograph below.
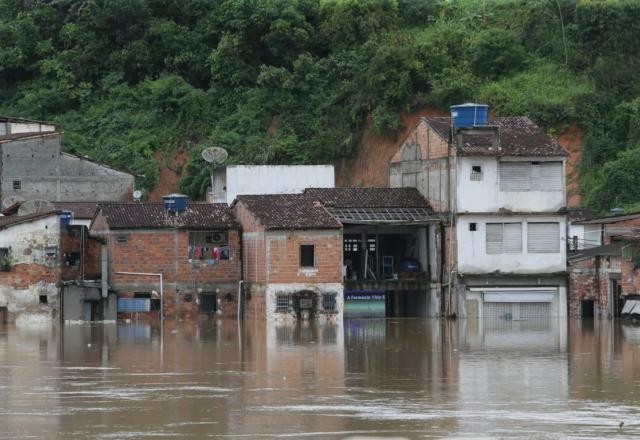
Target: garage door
x=518 y=304
x=517 y=310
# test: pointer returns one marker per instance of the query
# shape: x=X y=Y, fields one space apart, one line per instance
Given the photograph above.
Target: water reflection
x=409 y=377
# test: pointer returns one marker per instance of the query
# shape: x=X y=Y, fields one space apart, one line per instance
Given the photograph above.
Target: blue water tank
x=66 y=217
x=469 y=115
x=175 y=202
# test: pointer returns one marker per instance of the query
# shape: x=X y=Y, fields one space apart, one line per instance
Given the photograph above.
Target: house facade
x=30 y=271
x=185 y=262
x=292 y=257
x=499 y=184
x=603 y=271
x=34 y=167
x=317 y=253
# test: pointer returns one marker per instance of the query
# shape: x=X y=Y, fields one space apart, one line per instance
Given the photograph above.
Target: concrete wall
x=424 y=161
x=75 y=297
x=587 y=236
x=473 y=258
x=19 y=127
x=43 y=172
x=485 y=195
x=35 y=271
x=271 y=179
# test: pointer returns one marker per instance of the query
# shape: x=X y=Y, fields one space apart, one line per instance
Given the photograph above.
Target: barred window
x=282 y=303
x=329 y=302
x=476 y=173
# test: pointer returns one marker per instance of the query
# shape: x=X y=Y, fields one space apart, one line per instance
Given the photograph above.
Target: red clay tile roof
x=81 y=210
x=519 y=136
x=8 y=221
x=136 y=215
x=289 y=211
x=368 y=197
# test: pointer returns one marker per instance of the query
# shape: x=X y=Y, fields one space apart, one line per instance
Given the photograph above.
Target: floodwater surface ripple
x=401 y=378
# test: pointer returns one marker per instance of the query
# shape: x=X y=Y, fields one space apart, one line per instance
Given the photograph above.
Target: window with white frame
x=543 y=238
x=531 y=176
x=504 y=238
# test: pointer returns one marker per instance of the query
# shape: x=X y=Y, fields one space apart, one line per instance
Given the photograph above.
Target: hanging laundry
x=216 y=253
x=198 y=253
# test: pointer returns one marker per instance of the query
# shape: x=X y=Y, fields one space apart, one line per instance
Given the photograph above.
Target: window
x=351 y=245
x=208 y=245
x=410 y=180
x=543 y=238
x=72 y=259
x=43 y=299
x=531 y=176
x=17 y=184
x=307 y=255
x=282 y=303
x=504 y=238
x=329 y=302
x=472 y=227
x=476 y=173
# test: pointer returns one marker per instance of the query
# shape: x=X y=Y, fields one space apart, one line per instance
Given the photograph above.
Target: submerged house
x=178 y=256
x=34 y=167
x=500 y=185
x=292 y=257
x=30 y=271
x=310 y=254
x=603 y=271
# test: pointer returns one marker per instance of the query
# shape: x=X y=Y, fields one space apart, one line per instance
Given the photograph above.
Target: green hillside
x=280 y=81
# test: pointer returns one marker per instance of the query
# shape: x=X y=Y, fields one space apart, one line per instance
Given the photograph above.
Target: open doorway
x=615 y=298
x=3 y=315
x=587 y=308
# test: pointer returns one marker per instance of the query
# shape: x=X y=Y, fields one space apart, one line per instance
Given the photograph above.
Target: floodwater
x=401 y=378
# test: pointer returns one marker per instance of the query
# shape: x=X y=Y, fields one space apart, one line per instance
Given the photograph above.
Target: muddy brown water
x=406 y=378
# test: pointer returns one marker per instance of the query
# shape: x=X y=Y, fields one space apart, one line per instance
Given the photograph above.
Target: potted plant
x=5 y=264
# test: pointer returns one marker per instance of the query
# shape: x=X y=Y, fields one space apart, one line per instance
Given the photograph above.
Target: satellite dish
x=35 y=207
x=137 y=195
x=215 y=155
x=8 y=202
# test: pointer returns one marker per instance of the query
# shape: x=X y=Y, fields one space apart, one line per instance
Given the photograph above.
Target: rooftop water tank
x=66 y=217
x=469 y=115
x=175 y=202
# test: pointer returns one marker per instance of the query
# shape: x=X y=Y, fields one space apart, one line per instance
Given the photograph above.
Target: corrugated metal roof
x=384 y=215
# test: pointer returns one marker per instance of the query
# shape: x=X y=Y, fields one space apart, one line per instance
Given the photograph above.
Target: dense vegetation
x=283 y=81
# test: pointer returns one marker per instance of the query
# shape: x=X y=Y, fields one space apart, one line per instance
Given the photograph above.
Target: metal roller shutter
x=515 y=176
x=543 y=237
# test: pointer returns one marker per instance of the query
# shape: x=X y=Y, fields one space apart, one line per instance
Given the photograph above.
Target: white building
x=501 y=185
x=235 y=180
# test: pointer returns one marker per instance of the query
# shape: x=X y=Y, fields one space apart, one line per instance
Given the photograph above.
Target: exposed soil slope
x=170 y=173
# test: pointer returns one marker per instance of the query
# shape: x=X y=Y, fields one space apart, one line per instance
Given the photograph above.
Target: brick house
x=601 y=277
x=292 y=257
x=304 y=252
x=29 y=268
x=196 y=250
x=499 y=184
